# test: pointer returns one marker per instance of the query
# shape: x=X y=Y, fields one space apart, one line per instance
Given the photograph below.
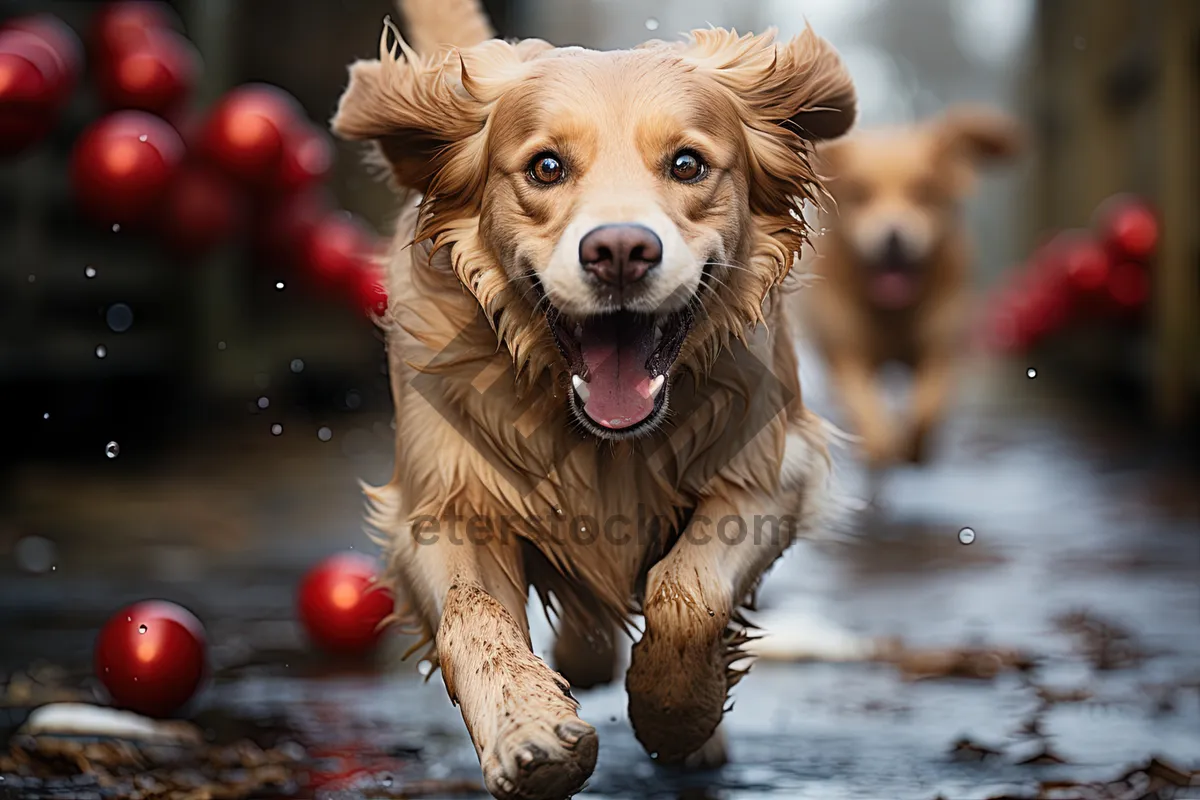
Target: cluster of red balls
x=1080 y=275
x=194 y=180
x=152 y=656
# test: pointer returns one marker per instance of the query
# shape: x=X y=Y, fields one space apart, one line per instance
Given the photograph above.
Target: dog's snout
x=620 y=254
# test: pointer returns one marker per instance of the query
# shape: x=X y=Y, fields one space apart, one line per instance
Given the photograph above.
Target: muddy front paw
x=537 y=760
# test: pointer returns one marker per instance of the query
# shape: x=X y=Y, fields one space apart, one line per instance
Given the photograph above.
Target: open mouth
x=619 y=366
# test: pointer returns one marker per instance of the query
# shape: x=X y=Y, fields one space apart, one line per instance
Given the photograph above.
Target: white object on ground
x=790 y=634
x=80 y=719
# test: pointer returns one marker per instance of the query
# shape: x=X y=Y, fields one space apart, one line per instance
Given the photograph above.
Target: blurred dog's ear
x=982 y=134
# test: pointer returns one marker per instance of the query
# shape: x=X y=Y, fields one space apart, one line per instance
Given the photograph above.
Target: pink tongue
x=618 y=381
x=892 y=290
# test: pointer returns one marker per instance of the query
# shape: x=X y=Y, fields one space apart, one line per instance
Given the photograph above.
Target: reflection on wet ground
x=1086 y=556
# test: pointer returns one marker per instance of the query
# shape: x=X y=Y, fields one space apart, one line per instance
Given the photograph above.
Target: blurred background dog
x=893 y=263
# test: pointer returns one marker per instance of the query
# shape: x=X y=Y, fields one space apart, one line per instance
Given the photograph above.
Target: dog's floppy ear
x=427 y=112
x=981 y=134
x=801 y=83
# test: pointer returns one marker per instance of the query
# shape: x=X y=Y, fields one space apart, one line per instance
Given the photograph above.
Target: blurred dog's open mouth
x=619 y=366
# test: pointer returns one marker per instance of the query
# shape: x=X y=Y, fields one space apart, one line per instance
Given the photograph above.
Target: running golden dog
x=586 y=332
x=894 y=265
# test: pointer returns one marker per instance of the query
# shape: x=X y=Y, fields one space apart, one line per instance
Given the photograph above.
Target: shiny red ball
x=151 y=657
x=246 y=132
x=122 y=165
x=341 y=606
x=120 y=26
x=27 y=106
x=1128 y=227
x=57 y=41
x=339 y=247
x=199 y=211
x=157 y=74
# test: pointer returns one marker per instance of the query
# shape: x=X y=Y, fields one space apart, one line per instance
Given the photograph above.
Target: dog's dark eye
x=546 y=169
x=688 y=167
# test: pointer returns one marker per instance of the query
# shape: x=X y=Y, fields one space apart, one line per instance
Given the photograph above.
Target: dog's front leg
x=679 y=674
x=931 y=394
x=519 y=712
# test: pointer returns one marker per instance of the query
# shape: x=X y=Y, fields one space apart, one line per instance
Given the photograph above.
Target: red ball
x=151 y=657
x=122 y=165
x=58 y=42
x=120 y=26
x=27 y=106
x=307 y=158
x=1128 y=227
x=246 y=132
x=341 y=606
x=339 y=247
x=200 y=210
x=157 y=74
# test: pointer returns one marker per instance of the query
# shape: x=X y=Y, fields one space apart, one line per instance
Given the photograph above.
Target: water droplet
x=143 y=138
x=324 y=434
x=89 y=272
x=101 y=351
x=558 y=512
x=1080 y=43
x=652 y=24
x=654 y=755
x=583 y=528
x=425 y=668
x=32 y=278
x=220 y=345
x=116 y=227
x=1031 y=373
x=276 y=429
x=119 y=317
x=54 y=569
x=34 y=554
x=129 y=619
x=46 y=415
x=297 y=365
x=142 y=628
x=966 y=535
x=279 y=285
x=387 y=781
x=353 y=399
x=264 y=402
x=112 y=449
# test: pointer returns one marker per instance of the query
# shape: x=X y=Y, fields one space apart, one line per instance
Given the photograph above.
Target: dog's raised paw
x=533 y=762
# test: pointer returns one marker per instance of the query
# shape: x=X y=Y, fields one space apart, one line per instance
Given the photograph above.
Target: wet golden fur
x=494 y=440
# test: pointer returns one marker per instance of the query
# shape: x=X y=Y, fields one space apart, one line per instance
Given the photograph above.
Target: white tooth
x=581 y=387
x=657 y=384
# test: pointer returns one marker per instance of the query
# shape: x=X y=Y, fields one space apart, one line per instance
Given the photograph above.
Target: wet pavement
x=1086 y=557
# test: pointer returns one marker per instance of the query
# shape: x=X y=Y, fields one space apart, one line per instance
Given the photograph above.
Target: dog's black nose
x=895 y=252
x=620 y=254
